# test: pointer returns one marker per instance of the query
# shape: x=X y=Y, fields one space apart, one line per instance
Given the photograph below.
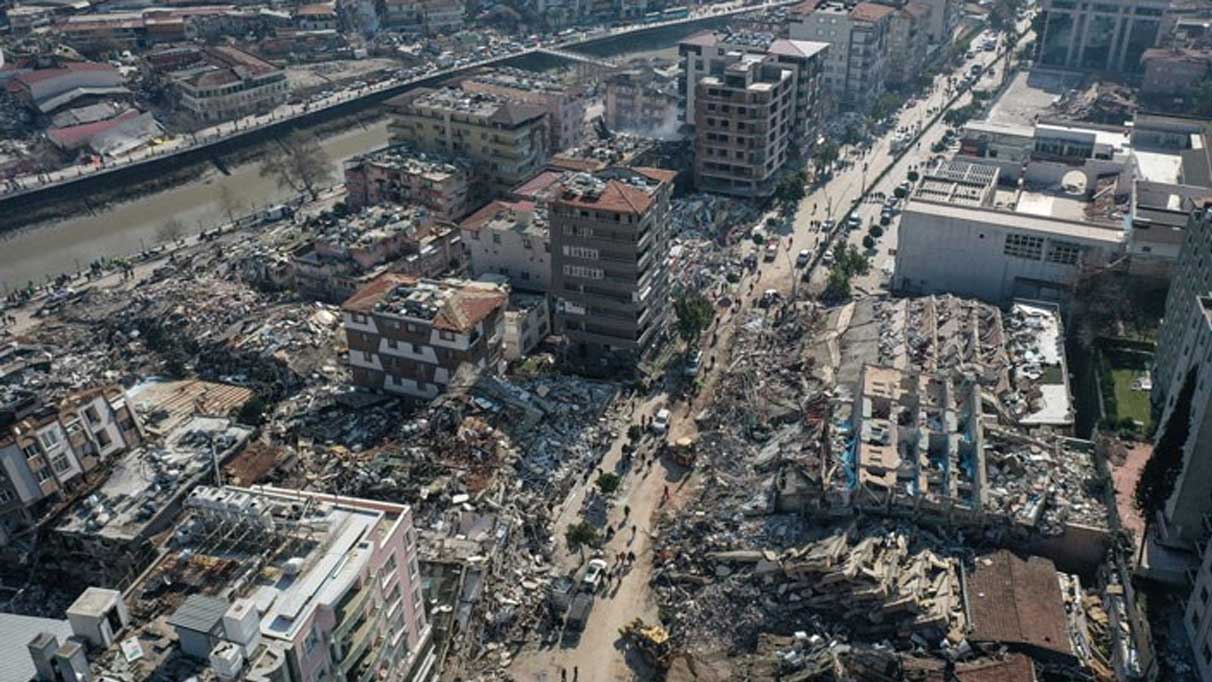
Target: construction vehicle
x=651 y=640
x=682 y=451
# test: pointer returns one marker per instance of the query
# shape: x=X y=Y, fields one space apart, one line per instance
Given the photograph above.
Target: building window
x=584 y=272
x=103 y=438
x=1023 y=246
x=1203 y=595
x=445 y=335
x=496 y=238
x=50 y=438
x=60 y=464
x=581 y=252
x=91 y=414
x=5 y=496
x=30 y=450
x=1063 y=253
x=43 y=475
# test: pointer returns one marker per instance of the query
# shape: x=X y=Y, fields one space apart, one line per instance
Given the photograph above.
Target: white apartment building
x=1102 y=36
x=510 y=239
x=858 y=38
x=228 y=83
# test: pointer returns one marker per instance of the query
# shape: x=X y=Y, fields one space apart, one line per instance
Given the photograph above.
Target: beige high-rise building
x=506 y=140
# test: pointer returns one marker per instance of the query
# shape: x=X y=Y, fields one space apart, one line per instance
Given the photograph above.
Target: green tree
x=791 y=188
x=876 y=232
x=253 y=411
x=837 y=288
x=694 y=313
x=885 y=106
x=824 y=155
x=1161 y=472
x=608 y=483
x=868 y=242
x=580 y=534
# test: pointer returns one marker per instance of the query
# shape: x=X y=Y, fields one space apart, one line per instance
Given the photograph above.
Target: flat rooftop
x=406 y=158
x=141 y=483
x=453 y=305
x=370 y=226
x=1061 y=227
x=523 y=217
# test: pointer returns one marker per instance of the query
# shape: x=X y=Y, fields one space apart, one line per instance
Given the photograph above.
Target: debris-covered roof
x=1017 y=601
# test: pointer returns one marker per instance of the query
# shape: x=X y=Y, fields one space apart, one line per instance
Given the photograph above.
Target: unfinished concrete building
x=743 y=124
x=609 y=242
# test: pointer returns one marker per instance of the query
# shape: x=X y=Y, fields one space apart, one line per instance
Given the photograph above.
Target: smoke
x=668 y=130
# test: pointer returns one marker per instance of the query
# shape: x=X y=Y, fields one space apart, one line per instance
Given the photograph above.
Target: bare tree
x=229 y=203
x=300 y=164
x=170 y=230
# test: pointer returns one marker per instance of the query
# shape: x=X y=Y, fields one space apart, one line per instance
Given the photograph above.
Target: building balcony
x=347 y=615
x=359 y=642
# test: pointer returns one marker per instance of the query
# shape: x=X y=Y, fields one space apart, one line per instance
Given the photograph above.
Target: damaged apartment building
x=249 y=583
x=960 y=415
x=347 y=250
x=442 y=184
x=753 y=101
x=50 y=451
x=413 y=336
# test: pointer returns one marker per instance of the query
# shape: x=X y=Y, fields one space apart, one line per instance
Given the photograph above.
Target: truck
x=578 y=613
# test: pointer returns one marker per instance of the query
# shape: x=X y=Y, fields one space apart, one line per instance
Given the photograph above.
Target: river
x=51 y=248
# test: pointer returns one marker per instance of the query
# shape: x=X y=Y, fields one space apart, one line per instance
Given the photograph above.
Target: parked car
x=802 y=259
x=771 y=250
x=660 y=422
x=593 y=575
x=693 y=362
x=769 y=298
x=828 y=258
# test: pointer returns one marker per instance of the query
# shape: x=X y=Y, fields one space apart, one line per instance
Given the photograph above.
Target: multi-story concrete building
x=563 y=99
x=313 y=587
x=732 y=68
x=945 y=16
x=510 y=239
x=430 y=17
x=1099 y=36
x=642 y=100
x=47 y=451
x=908 y=42
x=709 y=53
x=961 y=234
x=225 y=82
x=742 y=127
x=609 y=242
x=506 y=140
x=856 y=65
x=399 y=174
x=1174 y=72
x=411 y=336
x=348 y=251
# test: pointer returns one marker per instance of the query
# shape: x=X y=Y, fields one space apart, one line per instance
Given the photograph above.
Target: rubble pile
x=711 y=216
x=1043 y=484
x=879 y=582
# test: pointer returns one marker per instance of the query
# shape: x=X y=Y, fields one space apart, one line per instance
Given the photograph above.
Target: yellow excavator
x=651 y=640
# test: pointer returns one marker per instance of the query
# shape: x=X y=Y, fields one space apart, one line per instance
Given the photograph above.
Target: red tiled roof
x=918 y=9
x=1016 y=601
x=869 y=11
x=1016 y=668
x=462 y=311
x=538 y=185
x=73 y=137
x=806 y=7
x=658 y=174
x=616 y=196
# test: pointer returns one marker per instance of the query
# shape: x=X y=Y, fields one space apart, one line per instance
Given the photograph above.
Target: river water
x=51 y=248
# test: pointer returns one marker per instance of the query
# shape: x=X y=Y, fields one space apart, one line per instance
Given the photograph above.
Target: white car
x=660 y=423
x=802 y=259
x=593 y=574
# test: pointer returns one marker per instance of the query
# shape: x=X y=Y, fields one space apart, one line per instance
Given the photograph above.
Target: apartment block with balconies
x=400 y=174
x=505 y=140
x=609 y=245
x=855 y=71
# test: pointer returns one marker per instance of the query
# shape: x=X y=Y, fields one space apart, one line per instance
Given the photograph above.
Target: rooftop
x=522 y=79
x=430 y=165
x=370 y=226
x=223 y=65
x=726 y=38
x=1018 y=602
x=478 y=104
x=143 y=482
x=452 y=305
x=509 y=216
x=625 y=190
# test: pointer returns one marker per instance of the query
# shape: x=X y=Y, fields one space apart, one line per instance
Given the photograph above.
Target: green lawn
x=1130 y=403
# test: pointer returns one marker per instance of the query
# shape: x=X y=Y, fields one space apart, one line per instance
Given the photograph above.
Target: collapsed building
x=348 y=251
